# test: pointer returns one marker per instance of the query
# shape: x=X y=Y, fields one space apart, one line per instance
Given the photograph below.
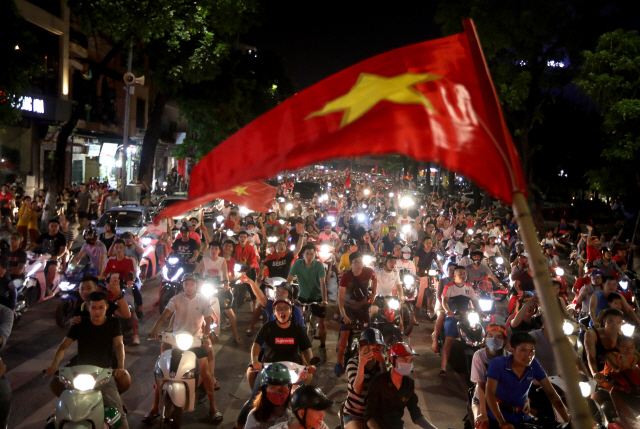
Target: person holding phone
x=368 y=363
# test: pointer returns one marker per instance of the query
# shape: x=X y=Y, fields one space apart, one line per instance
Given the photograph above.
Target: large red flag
x=432 y=101
x=254 y=195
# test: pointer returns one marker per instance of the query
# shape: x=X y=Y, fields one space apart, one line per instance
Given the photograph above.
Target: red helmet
x=401 y=350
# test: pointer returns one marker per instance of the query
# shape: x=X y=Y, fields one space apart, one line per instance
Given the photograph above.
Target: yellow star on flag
x=370 y=89
x=240 y=190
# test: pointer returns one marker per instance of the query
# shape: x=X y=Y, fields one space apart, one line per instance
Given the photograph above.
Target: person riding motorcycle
x=308 y=405
x=96 y=250
x=272 y=403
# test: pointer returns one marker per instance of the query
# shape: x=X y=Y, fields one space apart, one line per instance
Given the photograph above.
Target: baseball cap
x=184 y=228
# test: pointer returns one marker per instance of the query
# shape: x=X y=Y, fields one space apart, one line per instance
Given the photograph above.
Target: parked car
x=176 y=198
x=211 y=209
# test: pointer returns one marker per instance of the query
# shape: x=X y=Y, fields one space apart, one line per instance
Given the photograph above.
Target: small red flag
x=383 y=173
x=254 y=195
x=432 y=101
x=347 y=182
x=376 y=169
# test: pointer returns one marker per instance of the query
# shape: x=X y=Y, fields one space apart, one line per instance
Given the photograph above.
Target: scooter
x=150 y=262
x=171 y=279
x=34 y=289
x=410 y=294
x=176 y=376
x=70 y=287
x=387 y=319
x=470 y=334
x=82 y=406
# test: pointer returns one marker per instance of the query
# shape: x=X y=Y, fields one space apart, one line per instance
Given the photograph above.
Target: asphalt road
x=34 y=339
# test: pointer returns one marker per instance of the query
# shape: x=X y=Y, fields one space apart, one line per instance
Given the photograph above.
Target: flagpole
x=580 y=416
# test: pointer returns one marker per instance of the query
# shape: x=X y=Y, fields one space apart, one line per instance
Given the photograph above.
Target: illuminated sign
x=30 y=104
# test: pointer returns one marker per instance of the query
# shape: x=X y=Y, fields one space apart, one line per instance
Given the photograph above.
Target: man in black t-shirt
x=297 y=232
x=389 y=241
x=186 y=248
x=17 y=257
x=284 y=341
x=53 y=243
x=98 y=337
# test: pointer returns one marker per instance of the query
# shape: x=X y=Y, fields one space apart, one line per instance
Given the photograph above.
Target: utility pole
x=125 y=132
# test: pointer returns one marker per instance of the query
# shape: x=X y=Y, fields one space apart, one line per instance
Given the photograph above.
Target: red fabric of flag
x=347 y=182
x=254 y=195
x=432 y=101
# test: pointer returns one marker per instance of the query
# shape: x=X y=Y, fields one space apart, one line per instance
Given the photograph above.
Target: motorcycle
x=150 y=263
x=70 y=286
x=558 y=273
x=214 y=290
x=387 y=319
x=176 y=377
x=172 y=273
x=410 y=294
x=470 y=334
x=34 y=286
x=352 y=342
x=82 y=406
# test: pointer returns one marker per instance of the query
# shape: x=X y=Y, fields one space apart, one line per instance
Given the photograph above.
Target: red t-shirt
x=580 y=283
x=124 y=267
x=230 y=265
x=366 y=275
x=5 y=199
x=593 y=254
x=246 y=255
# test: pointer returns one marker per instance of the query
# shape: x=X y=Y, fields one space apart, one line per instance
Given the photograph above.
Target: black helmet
x=276 y=374
x=475 y=252
x=294 y=290
x=308 y=397
x=90 y=235
x=353 y=242
x=373 y=336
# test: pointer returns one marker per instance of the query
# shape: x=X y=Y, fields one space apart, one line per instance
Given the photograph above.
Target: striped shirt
x=611 y=269
x=355 y=403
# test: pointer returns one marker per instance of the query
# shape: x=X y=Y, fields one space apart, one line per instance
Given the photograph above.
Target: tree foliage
x=611 y=78
x=247 y=86
x=17 y=64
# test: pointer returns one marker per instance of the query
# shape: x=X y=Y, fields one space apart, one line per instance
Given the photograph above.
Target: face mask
x=406 y=255
x=404 y=368
x=494 y=344
x=278 y=399
x=477 y=262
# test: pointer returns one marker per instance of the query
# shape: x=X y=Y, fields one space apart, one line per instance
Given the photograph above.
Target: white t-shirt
x=491 y=251
x=272 y=421
x=479 y=367
x=157 y=230
x=495 y=231
x=460 y=246
x=284 y=425
x=214 y=268
x=189 y=313
x=387 y=282
x=322 y=237
x=404 y=220
x=225 y=211
x=406 y=263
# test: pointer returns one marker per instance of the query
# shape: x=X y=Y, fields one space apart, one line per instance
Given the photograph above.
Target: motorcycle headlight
x=559 y=272
x=470 y=231
x=145 y=241
x=473 y=319
x=83 y=382
x=184 y=341
x=485 y=305
x=173 y=261
x=165 y=273
x=289 y=206
x=366 y=259
x=394 y=304
x=292 y=247
x=432 y=273
x=567 y=328
x=331 y=218
x=406 y=202
x=229 y=233
x=361 y=217
x=406 y=228
x=190 y=374
x=281 y=222
x=66 y=286
x=177 y=275
x=207 y=290
x=408 y=279
x=624 y=284
x=272 y=239
x=627 y=329
x=220 y=219
x=499 y=260
x=237 y=268
x=585 y=389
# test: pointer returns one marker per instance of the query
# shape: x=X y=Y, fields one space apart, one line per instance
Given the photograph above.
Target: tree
x=248 y=85
x=18 y=61
x=611 y=78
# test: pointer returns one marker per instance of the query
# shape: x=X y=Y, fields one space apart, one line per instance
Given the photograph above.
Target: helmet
x=282 y=299
x=555 y=281
x=548 y=246
x=353 y=242
x=475 y=252
x=373 y=336
x=90 y=235
x=596 y=273
x=605 y=249
x=188 y=276
x=294 y=290
x=309 y=397
x=400 y=350
x=406 y=249
x=276 y=374
x=493 y=236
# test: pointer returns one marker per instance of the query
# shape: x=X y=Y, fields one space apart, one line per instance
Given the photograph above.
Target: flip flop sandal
x=150 y=417
x=249 y=332
x=443 y=373
x=217 y=416
x=239 y=340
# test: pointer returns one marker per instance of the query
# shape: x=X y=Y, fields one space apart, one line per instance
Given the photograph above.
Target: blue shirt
x=510 y=389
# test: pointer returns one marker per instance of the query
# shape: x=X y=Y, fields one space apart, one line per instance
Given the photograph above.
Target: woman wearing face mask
x=404 y=259
x=272 y=405
x=494 y=341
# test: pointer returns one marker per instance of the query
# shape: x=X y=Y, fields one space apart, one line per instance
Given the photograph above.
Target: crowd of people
x=336 y=251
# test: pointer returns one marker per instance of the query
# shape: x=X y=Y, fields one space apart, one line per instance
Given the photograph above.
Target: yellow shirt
x=344 y=262
x=30 y=219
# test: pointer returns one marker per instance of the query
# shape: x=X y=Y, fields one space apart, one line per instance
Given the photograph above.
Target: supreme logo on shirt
x=285 y=341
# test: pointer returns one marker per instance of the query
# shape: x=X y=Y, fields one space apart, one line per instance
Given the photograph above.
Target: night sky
x=318 y=39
